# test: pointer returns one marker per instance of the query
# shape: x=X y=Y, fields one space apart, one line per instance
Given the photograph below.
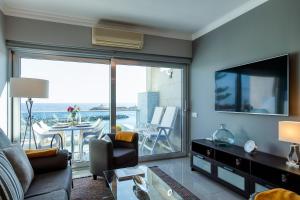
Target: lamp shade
x=289 y=131
x=29 y=88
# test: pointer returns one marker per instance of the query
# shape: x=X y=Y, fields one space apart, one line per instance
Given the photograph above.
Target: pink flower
x=70 y=109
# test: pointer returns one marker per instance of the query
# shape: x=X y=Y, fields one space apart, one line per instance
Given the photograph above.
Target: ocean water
x=52 y=113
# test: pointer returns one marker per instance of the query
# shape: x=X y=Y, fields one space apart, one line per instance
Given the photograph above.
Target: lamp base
x=294 y=149
x=292 y=164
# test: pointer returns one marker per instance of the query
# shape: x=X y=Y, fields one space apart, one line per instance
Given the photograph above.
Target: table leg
x=72 y=143
x=80 y=145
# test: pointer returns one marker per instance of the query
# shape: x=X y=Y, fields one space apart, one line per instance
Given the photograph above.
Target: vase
x=74 y=118
x=223 y=137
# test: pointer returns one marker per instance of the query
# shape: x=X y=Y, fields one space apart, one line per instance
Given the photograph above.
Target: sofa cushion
x=123 y=155
x=18 y=159
x=51 y=181
x=56 y=195
x=10 y=186
x=4 y=141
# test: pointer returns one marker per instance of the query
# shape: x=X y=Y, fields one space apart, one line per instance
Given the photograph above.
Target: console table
x=242 y=172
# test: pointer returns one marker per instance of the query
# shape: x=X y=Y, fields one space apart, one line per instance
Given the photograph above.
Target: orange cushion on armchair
x=124 y=136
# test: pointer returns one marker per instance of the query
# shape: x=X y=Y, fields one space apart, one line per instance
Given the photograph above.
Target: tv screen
x=258 y=88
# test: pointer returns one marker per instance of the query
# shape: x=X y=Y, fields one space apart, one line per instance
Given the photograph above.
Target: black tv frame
x=288 y=87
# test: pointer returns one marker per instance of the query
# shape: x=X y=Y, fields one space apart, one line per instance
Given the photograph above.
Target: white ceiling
x=183 y=19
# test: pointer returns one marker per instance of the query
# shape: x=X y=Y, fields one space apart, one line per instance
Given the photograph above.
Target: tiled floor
x=180 y=170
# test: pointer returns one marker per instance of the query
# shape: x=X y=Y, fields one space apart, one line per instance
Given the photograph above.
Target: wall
x=50 y=33
x=269 y=30
x=3 y=76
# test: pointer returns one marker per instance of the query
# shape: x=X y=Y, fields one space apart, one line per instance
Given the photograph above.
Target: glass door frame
x=184 y=103
x=15 y=71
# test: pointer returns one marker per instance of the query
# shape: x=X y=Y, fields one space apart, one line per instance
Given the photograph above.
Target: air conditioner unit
x=114 y=37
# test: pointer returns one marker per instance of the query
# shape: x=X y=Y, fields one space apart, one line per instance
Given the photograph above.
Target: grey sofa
x=107 y=155
x=52 y=175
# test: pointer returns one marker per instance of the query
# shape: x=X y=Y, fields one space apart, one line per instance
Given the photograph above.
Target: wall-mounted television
x=257 y=88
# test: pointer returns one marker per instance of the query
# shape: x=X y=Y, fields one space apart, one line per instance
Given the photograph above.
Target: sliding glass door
x=150 y=100
x=74 y=83
x=113 y=95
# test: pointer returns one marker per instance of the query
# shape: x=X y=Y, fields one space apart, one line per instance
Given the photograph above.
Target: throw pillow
x=19 y=161
x=4 y=141
x=124 y=136
x=10 y=186
x=41 y=153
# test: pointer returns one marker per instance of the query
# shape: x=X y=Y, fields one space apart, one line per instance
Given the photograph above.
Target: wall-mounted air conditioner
x=114 y=37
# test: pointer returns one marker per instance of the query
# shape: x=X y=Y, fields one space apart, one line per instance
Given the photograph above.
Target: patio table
x=72 y=129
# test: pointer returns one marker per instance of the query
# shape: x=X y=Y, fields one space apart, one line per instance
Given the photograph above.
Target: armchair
x=108 y=155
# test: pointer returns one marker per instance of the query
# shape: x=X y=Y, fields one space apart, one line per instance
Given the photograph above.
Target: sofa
x=108 y=154
x=52 y=175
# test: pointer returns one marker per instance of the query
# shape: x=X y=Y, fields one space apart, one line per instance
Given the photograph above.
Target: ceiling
x=183 y=19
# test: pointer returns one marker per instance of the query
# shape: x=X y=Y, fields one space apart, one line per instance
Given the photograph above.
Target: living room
x=143 y=100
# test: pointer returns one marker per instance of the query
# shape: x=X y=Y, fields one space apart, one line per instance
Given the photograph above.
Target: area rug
x=89 y=189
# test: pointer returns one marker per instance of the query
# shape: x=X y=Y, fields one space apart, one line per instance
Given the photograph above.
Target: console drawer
x=201 y=163
x=276 y=176
x=203 y=150
x=229 y=176
x=233 y=161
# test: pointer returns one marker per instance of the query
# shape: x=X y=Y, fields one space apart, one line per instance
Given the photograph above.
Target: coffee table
x=160 y=186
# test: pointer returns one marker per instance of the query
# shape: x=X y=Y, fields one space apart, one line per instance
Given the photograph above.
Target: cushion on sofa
x=51 y=181
x=10 y=186
x=22 y=167
x=41 y=153
x=4 y=141
x=123 y=155
x=56 y=195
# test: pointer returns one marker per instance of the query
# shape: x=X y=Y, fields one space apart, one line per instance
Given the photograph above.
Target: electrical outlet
x=194 y=114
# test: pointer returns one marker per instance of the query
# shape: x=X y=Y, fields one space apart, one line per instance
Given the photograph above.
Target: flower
x=73 y=109
x=70 y=109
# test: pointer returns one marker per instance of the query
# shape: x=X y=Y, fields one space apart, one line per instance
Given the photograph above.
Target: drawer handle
x=229 y=169
x=238 y=161
x=284 y=178
x=208 y=152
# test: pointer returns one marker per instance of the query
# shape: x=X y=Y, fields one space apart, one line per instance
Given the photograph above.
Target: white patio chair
x=152 y=126
x=162 y=132
x=95 y=132
x=43 y=134
x=155 y=121
x=44 y=126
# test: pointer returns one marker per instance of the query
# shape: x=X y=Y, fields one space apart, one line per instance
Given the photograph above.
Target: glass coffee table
x=153 y=185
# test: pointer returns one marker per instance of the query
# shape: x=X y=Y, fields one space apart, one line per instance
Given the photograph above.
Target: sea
x=52 y=113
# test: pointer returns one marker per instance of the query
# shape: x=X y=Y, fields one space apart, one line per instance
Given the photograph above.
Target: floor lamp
x=29 y=88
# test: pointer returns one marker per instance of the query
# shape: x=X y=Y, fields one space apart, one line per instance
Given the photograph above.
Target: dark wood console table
x=242 y=172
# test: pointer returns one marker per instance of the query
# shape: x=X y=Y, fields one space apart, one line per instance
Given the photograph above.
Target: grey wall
x=41 y=32
x=3 y=76
x=269 y=30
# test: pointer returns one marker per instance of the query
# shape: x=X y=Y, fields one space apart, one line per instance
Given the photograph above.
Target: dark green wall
x=269 y=30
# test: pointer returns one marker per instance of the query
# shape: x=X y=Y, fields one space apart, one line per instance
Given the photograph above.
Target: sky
x=74 y=82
